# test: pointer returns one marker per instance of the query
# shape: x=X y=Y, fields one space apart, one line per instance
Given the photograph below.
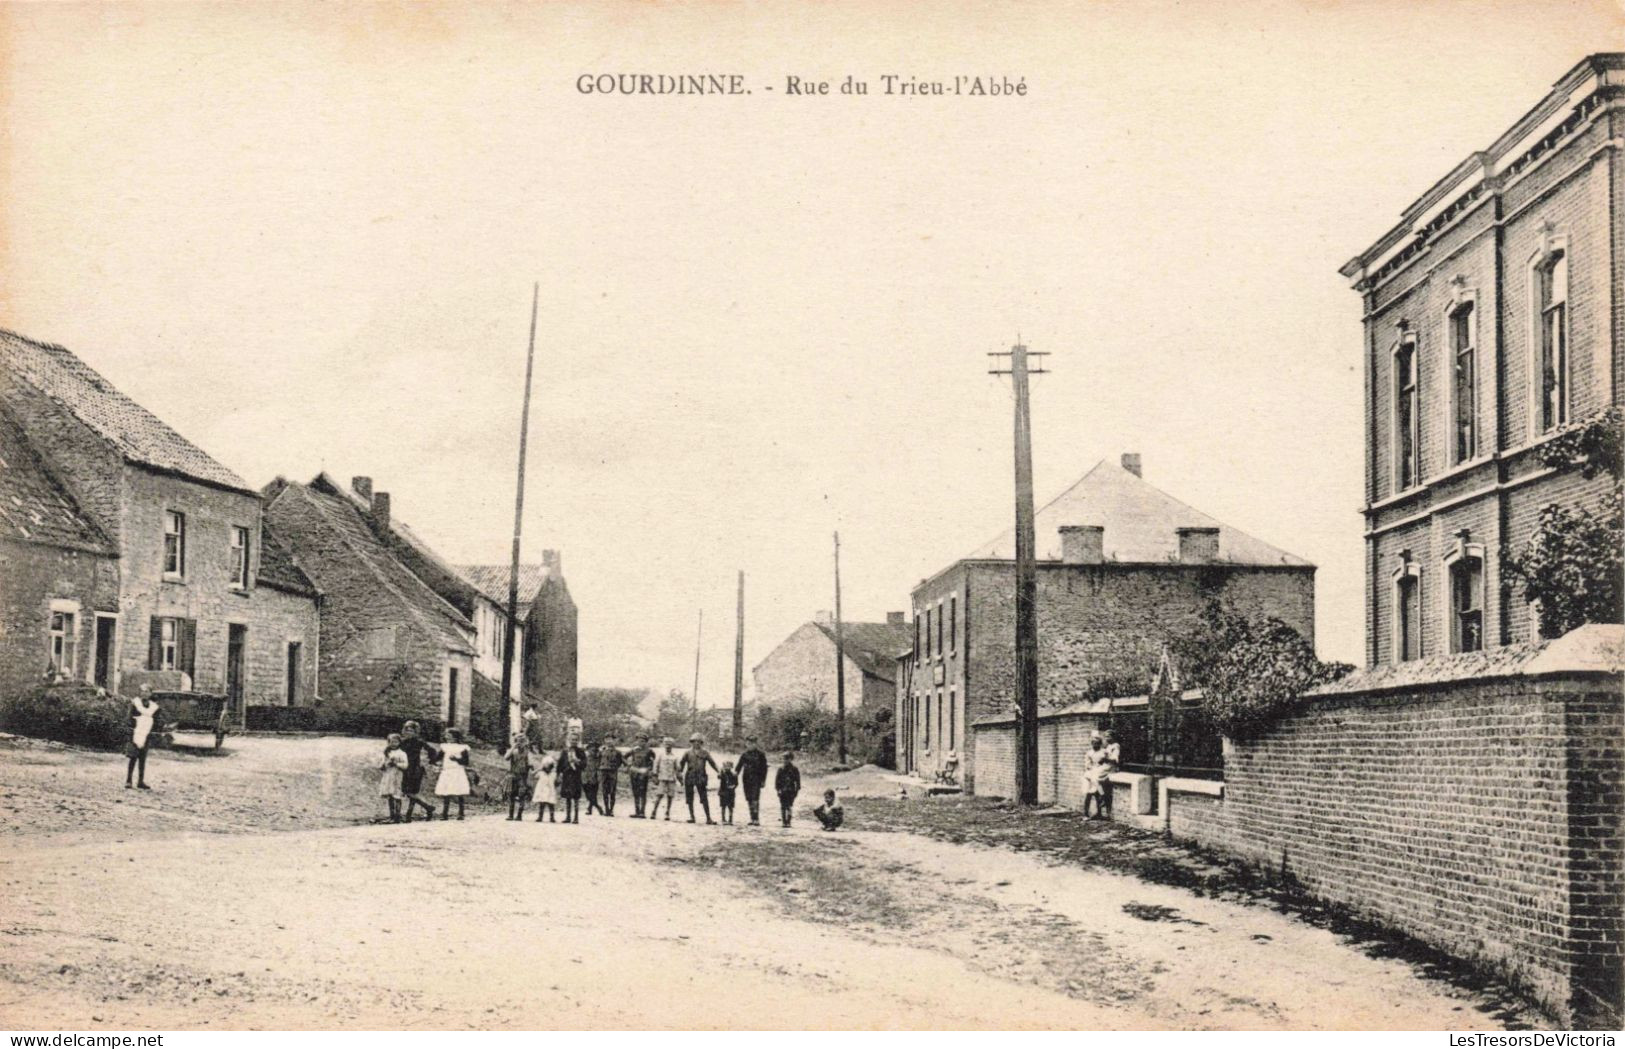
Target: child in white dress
x=546 y=795
x=453 y=781
x=389 y=780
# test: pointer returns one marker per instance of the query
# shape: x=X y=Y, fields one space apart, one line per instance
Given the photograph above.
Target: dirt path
x=183 y=909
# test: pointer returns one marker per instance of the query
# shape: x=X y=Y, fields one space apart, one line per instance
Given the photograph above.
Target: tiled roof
x=33 y=507
x=872 y=646
x=436 y=573
x=1140 y=524
x=492 y=581
x=136 y=433
x=431 y=610
x=277 y=566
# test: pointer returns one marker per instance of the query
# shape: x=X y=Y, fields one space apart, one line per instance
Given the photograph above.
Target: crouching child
x=830 y=813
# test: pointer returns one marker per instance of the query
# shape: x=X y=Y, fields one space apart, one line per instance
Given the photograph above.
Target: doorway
x=103 y=671
x=236 y=647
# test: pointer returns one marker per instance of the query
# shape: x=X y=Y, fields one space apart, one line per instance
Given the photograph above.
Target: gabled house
x=194 y=603
x=392 y=647
x=801 y=668
x=547 y=617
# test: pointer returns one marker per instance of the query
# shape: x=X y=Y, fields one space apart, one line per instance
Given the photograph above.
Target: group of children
x=549 y=779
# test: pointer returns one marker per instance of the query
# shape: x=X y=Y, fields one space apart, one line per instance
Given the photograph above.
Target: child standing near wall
x=727 y=784
x=389 y=781
x=787 y=782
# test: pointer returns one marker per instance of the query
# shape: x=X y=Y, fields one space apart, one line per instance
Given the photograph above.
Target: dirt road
x=623 y=923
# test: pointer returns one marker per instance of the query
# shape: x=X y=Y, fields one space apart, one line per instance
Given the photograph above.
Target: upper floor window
x=1406 y=436
x=1464 y=392
x=940 y=648
x=953 y=623
x=928 y=633
x=174 y=543
x=1467 y=604
x=64 y=642
x=1552 y=301
x=916 y=635
x=239 y=557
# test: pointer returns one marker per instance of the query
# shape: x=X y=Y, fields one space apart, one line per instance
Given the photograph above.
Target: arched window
x=1552 y=344
x=1406 y=435
x=1465 y=567
x=1407 y=609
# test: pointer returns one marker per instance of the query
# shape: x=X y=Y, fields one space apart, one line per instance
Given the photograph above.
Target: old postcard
x=811 y=516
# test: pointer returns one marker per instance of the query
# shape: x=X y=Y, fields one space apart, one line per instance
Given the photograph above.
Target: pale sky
x=305 y=237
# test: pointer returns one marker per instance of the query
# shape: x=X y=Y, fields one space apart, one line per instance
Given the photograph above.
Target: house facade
x=1494 y=318
x=194 y=599
x=1123 y=569
x=801 y=668
x=490 y=617
x=551 y=639
x=391 y=647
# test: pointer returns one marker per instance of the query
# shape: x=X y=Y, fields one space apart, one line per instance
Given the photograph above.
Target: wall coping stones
x=1593 y=649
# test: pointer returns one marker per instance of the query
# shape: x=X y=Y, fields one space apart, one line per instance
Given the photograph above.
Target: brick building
x=1494 y=316
x=198 y=593
x=801 y=668
x=1123 y=569
x=392 y=647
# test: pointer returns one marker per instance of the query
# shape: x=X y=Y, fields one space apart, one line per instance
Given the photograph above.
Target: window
x=1465 y=388
x=916 y=635
x=168 y=644
x=953 y=717
x=295 y=651
x=174 y=543
x=928 y=633
x=1467 y=604
x=939 y=630
x=451 y=696
x=926 y=720
x=953 y=623
x=172 y=644
x=239 y=558
x=1406 y=473
x=1552 y=290
x=64 y=642
x=1408 y=619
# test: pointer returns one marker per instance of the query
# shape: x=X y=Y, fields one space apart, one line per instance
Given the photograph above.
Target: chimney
x=550 y=561
x=380 y=509
x=362 y=486
x=1198 y=546
x=1131 y=463
x=895 y=619
x=1083 y=544
x=824 y=616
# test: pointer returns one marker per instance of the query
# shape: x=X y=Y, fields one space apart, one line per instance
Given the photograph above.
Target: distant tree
x=606 y=710
x=1571 y=566
x=675 y=715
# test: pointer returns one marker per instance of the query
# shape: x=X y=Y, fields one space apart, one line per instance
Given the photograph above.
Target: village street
x=194 y=906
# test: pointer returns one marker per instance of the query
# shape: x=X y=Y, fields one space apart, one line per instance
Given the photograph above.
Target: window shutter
x=185 y=658
x=155 y=644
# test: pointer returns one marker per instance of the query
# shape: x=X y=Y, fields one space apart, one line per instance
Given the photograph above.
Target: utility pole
x=694 y=718
x=739 y=664
x=518 y=520
x=840 y=660
x=1026 y=578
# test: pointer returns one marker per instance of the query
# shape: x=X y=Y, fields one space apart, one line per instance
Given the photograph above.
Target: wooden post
x=511 y=629
x=840 y=661
x=694 y=718
x=739 y=665
x=1026 y=587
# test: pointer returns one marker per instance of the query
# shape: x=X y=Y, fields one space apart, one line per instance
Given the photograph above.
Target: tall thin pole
x=739 y=664
x=694 y=719
x=1026 y=583
x=840 y=661
x=518 y=521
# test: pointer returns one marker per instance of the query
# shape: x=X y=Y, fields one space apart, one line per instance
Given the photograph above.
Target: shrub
x=72 y=713
x=1261 y=674
x=807 y=727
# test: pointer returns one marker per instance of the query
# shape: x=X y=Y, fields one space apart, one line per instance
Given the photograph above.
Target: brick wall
x=1475 y=806
x=32 y=577
x=1061 y=743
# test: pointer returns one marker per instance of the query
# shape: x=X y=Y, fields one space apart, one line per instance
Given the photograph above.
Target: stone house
x=198 y=593
x=1494 y=316
x=1123 y=570
x=392 y=647
x=801 y=668
x=490 y=618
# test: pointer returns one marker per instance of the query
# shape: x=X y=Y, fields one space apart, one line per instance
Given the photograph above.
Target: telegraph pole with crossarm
x=1026 y=576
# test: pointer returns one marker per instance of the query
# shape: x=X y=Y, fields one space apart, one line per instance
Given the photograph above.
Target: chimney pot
x=1131 y=463
x=1198 y=546
x=894 y=619
x=823 y=616
x=1083 y=544
x=551 y=561
x=362 y=486
x=380 y=508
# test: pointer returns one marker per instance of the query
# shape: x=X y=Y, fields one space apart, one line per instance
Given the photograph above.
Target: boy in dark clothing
x=696 y=780
x=639 y=764
x=830 y=813
x=753 y=777
x=518 y=786
x=609 y=774
x=415 y=747
x=589 y=781
x=787 y=782
x=727 y=780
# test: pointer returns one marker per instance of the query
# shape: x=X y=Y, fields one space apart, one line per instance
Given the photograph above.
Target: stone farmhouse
x=801 y=668
x=547 y=617
x=131 y=551
x=1123 y=570
x=1494 y=316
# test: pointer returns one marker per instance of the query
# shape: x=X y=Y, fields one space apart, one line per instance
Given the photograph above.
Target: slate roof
x=431 y=610
x=872 y=646
x=138 y=435
x=1140 y=521
x=492 y=581
x=33 y=507
x=278 y=568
